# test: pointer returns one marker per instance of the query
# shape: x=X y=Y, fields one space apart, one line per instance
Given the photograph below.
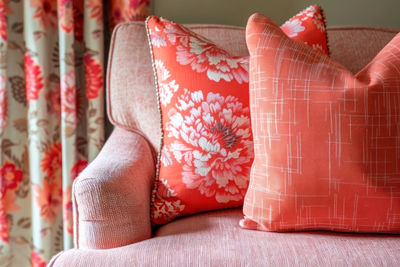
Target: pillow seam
x=156 y=87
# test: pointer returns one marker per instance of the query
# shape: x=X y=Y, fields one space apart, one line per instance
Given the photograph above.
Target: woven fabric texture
x=215 y=239
x=326 y=141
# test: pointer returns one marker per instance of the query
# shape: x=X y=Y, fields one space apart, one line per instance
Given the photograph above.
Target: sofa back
x=131 y=97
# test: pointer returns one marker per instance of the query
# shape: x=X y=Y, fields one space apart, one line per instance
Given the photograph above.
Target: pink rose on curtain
x=46 y=13
x=33 y=78
x=93 y=77
x=3 y=104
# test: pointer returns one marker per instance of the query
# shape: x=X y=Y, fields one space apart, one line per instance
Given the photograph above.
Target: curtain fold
x=51 y=116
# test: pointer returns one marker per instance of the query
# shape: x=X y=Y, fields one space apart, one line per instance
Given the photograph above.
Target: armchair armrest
x=111 y=197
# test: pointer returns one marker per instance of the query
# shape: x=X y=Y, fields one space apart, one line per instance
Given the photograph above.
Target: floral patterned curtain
x=51 y=116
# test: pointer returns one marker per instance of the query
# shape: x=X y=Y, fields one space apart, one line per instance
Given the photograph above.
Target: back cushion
x=132 y=102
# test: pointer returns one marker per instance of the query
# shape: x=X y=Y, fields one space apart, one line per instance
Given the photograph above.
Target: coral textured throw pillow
x=207 y=144
x=327 y=142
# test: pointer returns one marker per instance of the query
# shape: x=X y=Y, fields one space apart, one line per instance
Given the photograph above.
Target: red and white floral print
x=67 y=209
x=93 y=77
x=33 y=78
x=5 y=225
x=157 y=40
x=46 y=12
x=3 y=20
x=65 y=15
x=78 y=167
x=68 y=99
x=315 y=13
x=10 y=177
x=204 y=56
x=3 y=104
x=293 y=27
x=51 y=162
x=166 y=207
x=207 y=147
x=37 y=260
x=123 y=10
x=78 y=20
x=213 y=138
x=54 y=99
x=167 y=86
x=96 y=10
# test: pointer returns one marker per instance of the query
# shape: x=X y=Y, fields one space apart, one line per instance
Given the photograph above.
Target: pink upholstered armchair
x=112 y=196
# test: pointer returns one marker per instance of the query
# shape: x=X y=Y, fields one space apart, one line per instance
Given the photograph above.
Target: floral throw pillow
x=207 y=144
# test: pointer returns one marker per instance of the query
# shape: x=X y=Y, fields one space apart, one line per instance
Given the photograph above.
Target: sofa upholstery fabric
x=111 y=196
x=215 y=239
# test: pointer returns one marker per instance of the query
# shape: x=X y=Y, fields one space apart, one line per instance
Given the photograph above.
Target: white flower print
x=204 y=56
x=214 y=142
x=165 y=207
x=318 y=20
x=293 y=27
x=157 y=40
x=166 y=158
x=167 y=86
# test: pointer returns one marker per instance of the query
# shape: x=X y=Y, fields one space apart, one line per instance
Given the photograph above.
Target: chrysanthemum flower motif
x=204 y=56
x=93 y=76
x=167 y=86
x=46 y=12
x=213 y=139
x=293 y=27
x=166 y=207
x=51 y=162
x=33 y=78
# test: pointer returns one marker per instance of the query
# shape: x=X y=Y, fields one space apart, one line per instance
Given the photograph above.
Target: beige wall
x=385 y=13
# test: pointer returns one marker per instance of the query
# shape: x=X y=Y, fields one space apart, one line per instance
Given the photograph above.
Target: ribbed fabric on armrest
x=111 y=196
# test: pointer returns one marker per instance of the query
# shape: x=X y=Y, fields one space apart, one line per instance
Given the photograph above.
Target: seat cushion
x=215 y=239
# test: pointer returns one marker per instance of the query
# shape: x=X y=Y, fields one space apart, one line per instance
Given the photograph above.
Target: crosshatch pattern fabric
x=207 y=148
x=327 y=153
